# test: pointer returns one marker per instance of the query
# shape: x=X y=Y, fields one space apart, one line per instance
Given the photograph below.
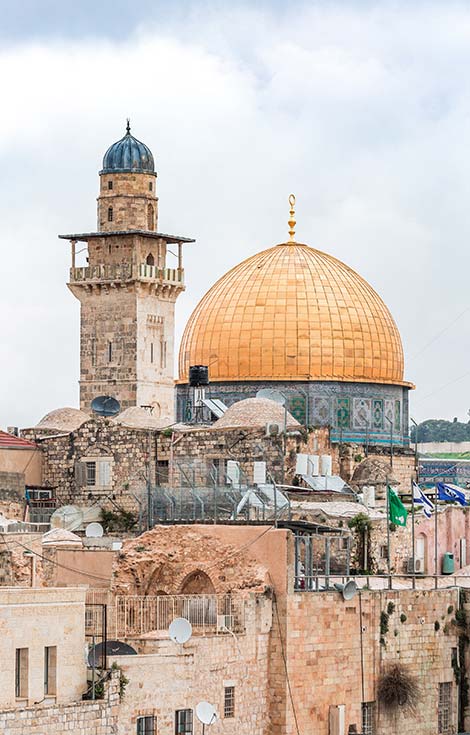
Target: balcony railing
x=126 y=272
x=131 y=616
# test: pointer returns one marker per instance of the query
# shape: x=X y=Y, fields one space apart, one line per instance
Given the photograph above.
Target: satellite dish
x=350 y=590
x=180 y=630
x=105 y=406
x=205 y=712
x=112 y=648
x=94 y=530
x=69 y=517
x=272 y=395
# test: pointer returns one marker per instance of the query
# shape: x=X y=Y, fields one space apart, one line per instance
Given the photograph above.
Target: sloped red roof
x=10 y=441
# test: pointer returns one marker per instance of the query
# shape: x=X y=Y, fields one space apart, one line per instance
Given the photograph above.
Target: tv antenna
x=180 y=630
x=205 y=713
x=105 y=406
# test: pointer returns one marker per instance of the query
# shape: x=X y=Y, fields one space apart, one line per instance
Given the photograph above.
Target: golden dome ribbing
x=293 y=313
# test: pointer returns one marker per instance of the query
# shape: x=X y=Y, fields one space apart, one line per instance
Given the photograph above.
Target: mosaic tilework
x=296 y=404
x=377 y=413
x=389 y=413
x=343 y=417
x=397 y=423
x=361 y=413
x=321 y=411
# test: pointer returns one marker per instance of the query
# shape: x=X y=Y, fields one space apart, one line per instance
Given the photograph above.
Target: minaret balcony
x=125 y=272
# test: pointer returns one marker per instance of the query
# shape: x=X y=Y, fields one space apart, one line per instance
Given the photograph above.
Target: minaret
x=127 y=292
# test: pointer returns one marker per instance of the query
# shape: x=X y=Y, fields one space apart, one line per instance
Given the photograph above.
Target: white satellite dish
x=180 y=630
x=205 y=712
x=94 y=530
x=272 y=395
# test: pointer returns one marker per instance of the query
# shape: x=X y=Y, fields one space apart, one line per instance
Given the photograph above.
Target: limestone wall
x=80 y=718
x=178 y=677
x=326 y=638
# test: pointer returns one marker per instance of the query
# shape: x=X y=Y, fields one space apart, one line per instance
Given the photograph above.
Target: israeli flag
x=450 y=492
x=419 y=498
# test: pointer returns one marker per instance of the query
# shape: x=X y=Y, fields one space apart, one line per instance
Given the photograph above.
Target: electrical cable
x=439 y=334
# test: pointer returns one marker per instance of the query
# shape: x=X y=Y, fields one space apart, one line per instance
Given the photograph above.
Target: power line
x=439 y=334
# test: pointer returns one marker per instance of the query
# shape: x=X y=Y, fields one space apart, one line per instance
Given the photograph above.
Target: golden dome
x=293 y=313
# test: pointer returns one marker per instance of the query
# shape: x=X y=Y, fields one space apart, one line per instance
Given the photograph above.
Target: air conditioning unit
x=274 y=429
x=419 y=566
x=224 y=622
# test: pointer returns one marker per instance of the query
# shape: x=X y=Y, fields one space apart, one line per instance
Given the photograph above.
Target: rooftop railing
x=133 y=616
x=126 y=272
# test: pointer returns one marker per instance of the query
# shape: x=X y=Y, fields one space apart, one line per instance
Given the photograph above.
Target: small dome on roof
x=63 y=419
x=61 y=537
x=255 y=412
x=373 y=471
x=128 y=155
x=136 y=417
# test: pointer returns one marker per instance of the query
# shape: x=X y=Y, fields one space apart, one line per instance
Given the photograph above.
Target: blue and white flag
x=450 y=492
x=419 y=498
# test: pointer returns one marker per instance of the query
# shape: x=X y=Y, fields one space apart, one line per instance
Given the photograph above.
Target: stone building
x=127 y=289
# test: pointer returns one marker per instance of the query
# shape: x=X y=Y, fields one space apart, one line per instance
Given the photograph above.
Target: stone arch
x=150 y=260
x=197 y=582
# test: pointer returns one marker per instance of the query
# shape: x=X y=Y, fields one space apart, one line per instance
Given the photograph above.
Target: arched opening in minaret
x=150 y=218
x=150 y=260
x=110 y=214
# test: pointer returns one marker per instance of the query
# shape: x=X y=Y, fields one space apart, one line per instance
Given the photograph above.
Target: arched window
x=150 y=260
x=150 y=217
x=110 y=214
x=110 y=184
x=197 y=583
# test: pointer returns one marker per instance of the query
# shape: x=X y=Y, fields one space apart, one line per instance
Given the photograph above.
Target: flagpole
x=435 y=539
x=413 y=532
x=388 y=539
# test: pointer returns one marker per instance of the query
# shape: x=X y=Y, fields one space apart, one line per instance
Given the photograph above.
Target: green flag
x=397 y=511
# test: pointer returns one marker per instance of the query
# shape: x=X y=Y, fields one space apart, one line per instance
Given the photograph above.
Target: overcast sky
x=362 y=109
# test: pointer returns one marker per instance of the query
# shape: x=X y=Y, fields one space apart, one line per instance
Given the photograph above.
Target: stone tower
x=127 y=291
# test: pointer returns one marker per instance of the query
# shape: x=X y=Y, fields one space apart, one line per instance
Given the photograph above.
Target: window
x=445 y=709
x=183 y=721
x=146 y=725
x=150 y=260
x=21 y=673
x=163 y=354
x=368 y=718
x=384 y=551
x=110 y=184
x=162 y=472
x=150 y=186
x=110 y=214
x=50 y=669
x=150 y=217
x=110 y=351
x=151 y=351
x=229 y=702
x=90 y=473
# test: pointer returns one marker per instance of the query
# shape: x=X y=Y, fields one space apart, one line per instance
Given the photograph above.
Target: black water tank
x=198 y=375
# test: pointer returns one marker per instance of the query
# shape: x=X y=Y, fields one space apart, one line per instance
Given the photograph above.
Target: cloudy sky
x=360 y=108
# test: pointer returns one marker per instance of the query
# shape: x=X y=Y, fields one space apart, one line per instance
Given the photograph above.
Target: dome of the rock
x=293 y=313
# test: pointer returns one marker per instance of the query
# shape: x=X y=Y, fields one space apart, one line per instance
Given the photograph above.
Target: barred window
x=110 y=184
x=368 y=718
x=91 y=474
x=183 y=722
x=229 y=702
x=445 y=708
x=110 y=214
x=146 y=725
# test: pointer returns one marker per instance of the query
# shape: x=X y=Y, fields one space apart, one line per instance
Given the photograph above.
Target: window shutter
x=80 y=474
x=104 y=470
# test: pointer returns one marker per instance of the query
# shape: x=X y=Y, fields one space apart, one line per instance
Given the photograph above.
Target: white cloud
x=362 y=110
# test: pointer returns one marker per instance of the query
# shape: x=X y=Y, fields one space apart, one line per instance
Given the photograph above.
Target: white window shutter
x=104 y=469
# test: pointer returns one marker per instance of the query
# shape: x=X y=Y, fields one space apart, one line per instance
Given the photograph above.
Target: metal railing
x=375 y=582
x=126 y=272
x=131 y=616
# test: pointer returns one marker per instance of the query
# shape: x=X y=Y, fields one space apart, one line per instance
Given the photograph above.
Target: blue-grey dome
x=128 y=155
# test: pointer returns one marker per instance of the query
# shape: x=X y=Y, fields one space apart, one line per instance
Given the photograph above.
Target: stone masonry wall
x=172 y=677
x=326 y=637
x=80 y=718
x=130 y=198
